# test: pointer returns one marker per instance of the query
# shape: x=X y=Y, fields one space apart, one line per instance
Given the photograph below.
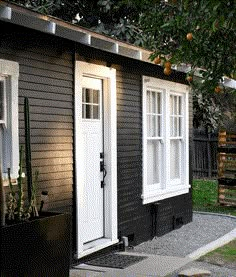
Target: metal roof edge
x=22 y=16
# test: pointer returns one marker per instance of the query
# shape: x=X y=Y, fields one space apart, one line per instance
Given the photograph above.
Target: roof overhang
x=21 y=16
x=24 y=17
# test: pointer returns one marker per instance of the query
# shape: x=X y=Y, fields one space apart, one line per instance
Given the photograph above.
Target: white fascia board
x=129 y=52
x=104 y=44
x=230 y=83
x=5 y=13
x=33 y=22
x=71 y=34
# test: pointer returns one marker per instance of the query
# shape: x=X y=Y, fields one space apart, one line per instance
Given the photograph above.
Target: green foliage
x=18 y=208
x=212 y=25
x=162 y=27
x=224 y=255
x=41 y=6
x=2 y=200
x=205 y=197
x=15 y=204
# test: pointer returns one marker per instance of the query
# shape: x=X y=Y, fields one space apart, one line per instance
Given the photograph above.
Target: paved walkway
x=160 y=265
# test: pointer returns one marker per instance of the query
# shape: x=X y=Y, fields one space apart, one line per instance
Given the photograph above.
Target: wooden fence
x=227 y=169
x=204 y=159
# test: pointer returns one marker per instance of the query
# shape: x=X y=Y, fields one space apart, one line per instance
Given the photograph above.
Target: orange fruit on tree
x=218 y=89
x=189 y=78
x=189 y=36
x=167 y=71
x=168 y=64
x=157 y=60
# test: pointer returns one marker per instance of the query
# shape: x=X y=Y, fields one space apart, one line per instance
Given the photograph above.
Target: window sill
x=164 y=194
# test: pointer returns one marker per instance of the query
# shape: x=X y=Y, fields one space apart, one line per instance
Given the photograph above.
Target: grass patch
x=205 y=198
x=224 y=255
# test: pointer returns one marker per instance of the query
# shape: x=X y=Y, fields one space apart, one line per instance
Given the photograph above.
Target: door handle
x=101 y=166
x=104 y=172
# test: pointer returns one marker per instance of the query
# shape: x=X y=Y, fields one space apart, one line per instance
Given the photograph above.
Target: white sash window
x=165 y=139
x=9 y=137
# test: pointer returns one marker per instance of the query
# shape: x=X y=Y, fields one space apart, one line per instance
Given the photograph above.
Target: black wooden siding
x=137 y=221
x=46 y=78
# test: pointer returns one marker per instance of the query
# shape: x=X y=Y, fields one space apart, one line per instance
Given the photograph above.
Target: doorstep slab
x=194 y=272
x=153 y=265
x=84 y=273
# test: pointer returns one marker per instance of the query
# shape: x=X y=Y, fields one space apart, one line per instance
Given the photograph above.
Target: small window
x=90 y=104
x=9 y=133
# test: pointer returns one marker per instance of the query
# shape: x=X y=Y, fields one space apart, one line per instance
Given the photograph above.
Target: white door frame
x=108 y=75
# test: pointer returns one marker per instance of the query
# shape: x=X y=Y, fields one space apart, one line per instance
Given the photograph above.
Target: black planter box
x=41 y=247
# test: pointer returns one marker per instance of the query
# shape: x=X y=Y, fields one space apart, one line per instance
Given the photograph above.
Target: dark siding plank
x=49 y=118
x=46 y=103
x=47 y=79
x=45 y=95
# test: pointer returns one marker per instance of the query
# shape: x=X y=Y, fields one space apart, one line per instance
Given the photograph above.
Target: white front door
x=92 y=129
x=95 y=141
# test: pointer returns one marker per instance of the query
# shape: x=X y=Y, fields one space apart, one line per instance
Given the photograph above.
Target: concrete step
x=194 y=272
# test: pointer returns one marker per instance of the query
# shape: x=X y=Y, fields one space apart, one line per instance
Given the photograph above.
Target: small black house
x=110 y=132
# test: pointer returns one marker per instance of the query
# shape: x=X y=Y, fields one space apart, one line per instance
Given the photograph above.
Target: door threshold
x=96 y=245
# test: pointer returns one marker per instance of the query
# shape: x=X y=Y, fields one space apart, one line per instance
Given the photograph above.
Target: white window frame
x=9 y=129
x=166 y=188
x=3 y=121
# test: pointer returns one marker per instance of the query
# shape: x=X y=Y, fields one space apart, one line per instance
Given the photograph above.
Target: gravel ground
x=202 y=230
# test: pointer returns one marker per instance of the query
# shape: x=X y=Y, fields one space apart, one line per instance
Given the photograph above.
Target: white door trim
x=108 y=75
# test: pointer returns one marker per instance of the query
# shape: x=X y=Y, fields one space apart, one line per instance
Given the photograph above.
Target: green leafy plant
x=18 y=207
x=3 y=200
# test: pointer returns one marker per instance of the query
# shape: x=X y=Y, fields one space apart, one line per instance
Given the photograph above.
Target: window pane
x=171 y=105
x=176 y=126
x=1 y=101
x=89 y=95
x=175 y=159
x=148 y=101
x=180 y=105
x=180 y=126
x=158 y=103
x=158 y=126
x=153 y=164
x=89 y=111
x=83 y=111
x=153 y=125
x=95 y=96
x=83 y=95
x=96 y=112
